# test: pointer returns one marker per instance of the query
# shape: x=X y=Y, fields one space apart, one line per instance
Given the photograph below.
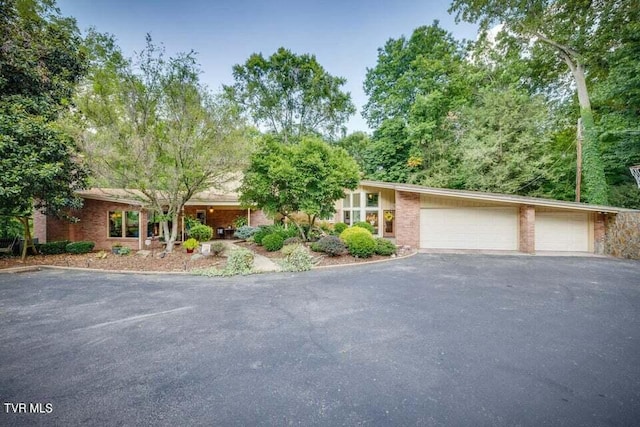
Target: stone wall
x=623 y=235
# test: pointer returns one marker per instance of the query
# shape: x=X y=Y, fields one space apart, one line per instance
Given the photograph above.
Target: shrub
x=359 y=241
x=80 y=247
x=296 y=258
x=245 y=232
x=217 y=248
x=54 y=248
x=190 y=243
x=365 y=225
x=384 y=247
x=124 y=250
x=292 y=241
x=259 y=235
x=240 y=261
x=331 y=245
x=240 y=221
x=339 y=227
x=273 y=242
x=201 y=232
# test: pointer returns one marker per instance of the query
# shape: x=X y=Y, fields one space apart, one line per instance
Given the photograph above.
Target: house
x=417 y=216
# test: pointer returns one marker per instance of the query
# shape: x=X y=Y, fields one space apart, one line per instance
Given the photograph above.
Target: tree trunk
x=166 y=233
x=28 y=241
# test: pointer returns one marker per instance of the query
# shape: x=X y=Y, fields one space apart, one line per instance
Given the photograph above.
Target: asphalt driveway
x=428 y=340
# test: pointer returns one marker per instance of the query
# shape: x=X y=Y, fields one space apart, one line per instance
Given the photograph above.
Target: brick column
x=527 y=241
x=407 y=219
x=39 y=226
x=599 y=231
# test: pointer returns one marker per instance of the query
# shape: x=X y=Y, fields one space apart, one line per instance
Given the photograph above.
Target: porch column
x=408 y=219
x=527 y=241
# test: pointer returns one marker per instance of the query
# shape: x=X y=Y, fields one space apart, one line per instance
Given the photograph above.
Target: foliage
x=366 y=226
x=124 y=250
x=245 y=232
x=359 y=241
x=308 y=177
x=53 y=248
x=240 y=221
x=80 y=247
x=201 y=232
x=331 y=245
x=384 y=247
x=291 y=95
x=263 y=230
x=10 y=227
x=292 y=241
x=339 y=227
x=190 y=243
x=41 y=61
x=273 y=242
x=150 y=125
x=297 y=258
x=357 y=145
x=217 y=248
x=240 y=261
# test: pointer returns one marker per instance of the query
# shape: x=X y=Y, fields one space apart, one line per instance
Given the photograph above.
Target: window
x=358 y=207
x=124 y=223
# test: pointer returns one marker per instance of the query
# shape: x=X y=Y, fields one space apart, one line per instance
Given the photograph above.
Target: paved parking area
x=428 y=340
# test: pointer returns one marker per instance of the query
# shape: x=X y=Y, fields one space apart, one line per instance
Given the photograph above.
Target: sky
x=343 y=35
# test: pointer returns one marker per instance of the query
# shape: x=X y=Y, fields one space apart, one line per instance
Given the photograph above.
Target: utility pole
x=578 y=159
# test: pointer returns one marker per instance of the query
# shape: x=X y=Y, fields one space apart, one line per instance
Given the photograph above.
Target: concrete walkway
x=261 y=264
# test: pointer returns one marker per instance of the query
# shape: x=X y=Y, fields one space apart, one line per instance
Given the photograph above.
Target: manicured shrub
x=366 y=226
x=292 y=241
x=190 y=243
x=339 y=227
x=259 y=235
x=53 y=248
x=124 y=250
x=359 y=241
x=240 y=261
x=273 y=242
x=217 y=248
x=297 y=258
x=384 y=247
x=201 y=232
x=331 y=245
x=245 y=232
x=80 y=247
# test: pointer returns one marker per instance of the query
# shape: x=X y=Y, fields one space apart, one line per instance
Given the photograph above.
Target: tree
x=41 y=61
x=308 y=177
x=578 y=33
x=388 y=154
x=290 y=95
x=152 y=127
x=356 y=144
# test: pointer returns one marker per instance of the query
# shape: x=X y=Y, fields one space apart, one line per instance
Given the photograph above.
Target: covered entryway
x=493 y=228
x=562 y=231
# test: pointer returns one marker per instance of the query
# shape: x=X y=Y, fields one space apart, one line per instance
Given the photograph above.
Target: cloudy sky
x=344 y=35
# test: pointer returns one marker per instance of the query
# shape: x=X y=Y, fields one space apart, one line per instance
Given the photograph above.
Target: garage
x=493 y=228
x=562 y=231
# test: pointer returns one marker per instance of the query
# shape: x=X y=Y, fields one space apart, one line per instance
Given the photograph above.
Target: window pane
x=356 y=216
x=346 y=202
x=372 y=200
x=372 y=218
x=346 y=215
x=132 y=224
x=356 y=200
x=115 y=224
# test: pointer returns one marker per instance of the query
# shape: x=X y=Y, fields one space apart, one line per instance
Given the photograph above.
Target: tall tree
x=152 y=127
x=290 y=95
x=308 y=177
x=577 y=32
x=41 y=61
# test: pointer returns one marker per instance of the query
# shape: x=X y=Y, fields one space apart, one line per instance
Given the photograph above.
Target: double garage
x=457 y=223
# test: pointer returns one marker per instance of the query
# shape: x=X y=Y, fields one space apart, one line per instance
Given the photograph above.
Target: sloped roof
x=493 y=197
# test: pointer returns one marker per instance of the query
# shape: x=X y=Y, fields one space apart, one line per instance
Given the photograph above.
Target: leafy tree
x=578 y=33
x=291 y=95
x=308 y=177
x=151 y=126
x=388 y=154
x=41 y=61
x=356 y=144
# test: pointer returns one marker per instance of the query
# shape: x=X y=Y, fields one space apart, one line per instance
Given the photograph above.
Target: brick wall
x=527 y=238
x=599 y=232
x=40 y=226
x=407 y=219
x=259 y=218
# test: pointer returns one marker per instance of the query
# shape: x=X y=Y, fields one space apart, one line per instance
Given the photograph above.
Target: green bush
x=190 y=243
x=296 y=258
x=240 y=221
x=339 y=227
x=201 y=232
x=331 y=245
x=124 y=250
x=245 y=232
x=366 y=226
x=217 y=248
x=53 y=248
x=384 y=247
x=292 y=241
x=273 y=242
x=359 y=241
x=80 y=247
x=240 y=261
x=263 y=230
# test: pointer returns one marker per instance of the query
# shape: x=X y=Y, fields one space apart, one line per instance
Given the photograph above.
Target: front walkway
x=261 y=264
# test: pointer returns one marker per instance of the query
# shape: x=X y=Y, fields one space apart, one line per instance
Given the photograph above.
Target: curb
x=355 y=264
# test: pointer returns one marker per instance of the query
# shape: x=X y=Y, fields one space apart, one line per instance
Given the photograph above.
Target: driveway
x=428 y=340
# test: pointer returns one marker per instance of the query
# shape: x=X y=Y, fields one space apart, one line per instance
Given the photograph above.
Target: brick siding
x=527 y=238
x=407 y=219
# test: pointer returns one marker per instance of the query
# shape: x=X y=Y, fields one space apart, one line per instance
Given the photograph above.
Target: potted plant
x=115 y=248
x=190 y=245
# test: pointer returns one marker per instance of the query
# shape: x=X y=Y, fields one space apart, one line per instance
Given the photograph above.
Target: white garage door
x=562 y=231
x=469 y=228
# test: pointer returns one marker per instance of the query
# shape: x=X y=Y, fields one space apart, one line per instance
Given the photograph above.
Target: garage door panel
x=469 y=228
x=562 y=231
